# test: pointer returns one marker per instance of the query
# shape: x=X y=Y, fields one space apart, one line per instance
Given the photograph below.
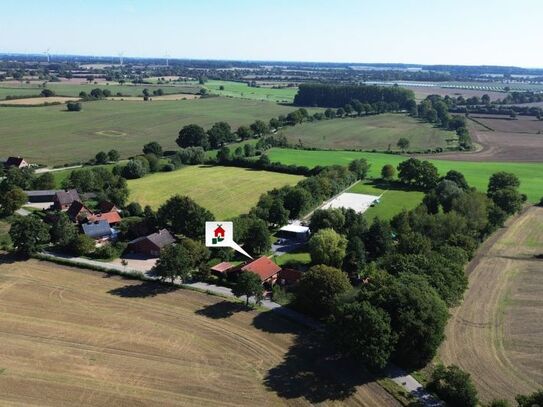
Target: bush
x=82 y=245
x=453 y=386
x=73 y=106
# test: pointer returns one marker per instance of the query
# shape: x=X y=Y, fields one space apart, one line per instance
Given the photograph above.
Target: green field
x=73 y=89
x=51 y=135
x=225 y=191
x=392 y=202
x=242 y=90
x=477 y=173
x=379 y=132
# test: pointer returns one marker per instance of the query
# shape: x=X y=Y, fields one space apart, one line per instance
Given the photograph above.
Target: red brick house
x=113 y=218
x=266 y=269
x=152 y=244
x=63 y=199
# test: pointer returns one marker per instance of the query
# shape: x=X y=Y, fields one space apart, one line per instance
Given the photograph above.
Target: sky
x=460 y=32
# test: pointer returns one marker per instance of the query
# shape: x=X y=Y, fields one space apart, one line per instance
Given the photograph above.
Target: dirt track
x=72 y=337
x=497 y=333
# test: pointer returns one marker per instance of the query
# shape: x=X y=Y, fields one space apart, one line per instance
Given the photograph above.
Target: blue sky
x=471 y=32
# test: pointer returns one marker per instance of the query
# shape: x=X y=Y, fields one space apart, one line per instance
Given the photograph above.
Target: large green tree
x=193 y=135
x=327 y=247
x=249 y=285
x=11 y=200
x=182 y=215
x=174 y=262
x=63 y=230
x=29 y=234
x=454 y=386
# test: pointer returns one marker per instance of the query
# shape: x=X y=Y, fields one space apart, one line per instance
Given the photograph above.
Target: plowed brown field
x=497 y=333
x=73 y=337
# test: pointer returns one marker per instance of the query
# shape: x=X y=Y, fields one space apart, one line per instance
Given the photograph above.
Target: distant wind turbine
x=167 y=58
x=121 y=57
x=47 y=54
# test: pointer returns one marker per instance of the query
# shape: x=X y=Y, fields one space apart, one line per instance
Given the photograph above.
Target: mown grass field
x=242 y=90
x=74 y=337
x=73 y=89
x=477 y=173
x=379 y=132
x=496 y=335
x=225 y=191
x=392 y=202
x=51 y=135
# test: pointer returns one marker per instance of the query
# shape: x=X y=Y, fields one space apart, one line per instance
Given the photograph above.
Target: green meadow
x=477 y=173
x=53 y=136
x=242 y=90
x=225 y=191
x=379 y=132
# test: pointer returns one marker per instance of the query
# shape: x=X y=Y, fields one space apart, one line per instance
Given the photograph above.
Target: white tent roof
x=295 y=229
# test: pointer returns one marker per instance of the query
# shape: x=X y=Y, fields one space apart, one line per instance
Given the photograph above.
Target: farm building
x=98 y=230
x=266 y=269
x=113 y=218
x=41 y=196
x=78 y=211
x=223 y=268
x=15 y=162
x=152 y=244
x=288 y=276
x=63 y=199
x=106 y=206
x=294 y=232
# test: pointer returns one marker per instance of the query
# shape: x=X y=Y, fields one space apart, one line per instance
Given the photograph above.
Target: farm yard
x=72 y=337
x=497 y=333
x=379 y=132
x=476 y=173
x=103 y=125
x=225 y=191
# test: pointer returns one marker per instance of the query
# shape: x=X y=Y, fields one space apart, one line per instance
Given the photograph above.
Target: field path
x=492 y=334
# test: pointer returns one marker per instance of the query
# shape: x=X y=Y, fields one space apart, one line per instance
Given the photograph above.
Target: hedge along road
x=476 y=173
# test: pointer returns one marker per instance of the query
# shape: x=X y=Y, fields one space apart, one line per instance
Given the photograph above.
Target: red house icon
x=219 y=234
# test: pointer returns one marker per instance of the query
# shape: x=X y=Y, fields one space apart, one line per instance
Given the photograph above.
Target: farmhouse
x=64 y=199
x=98 y=230
x=266 y=269
x=78 y=211
x=15 y=162
x=113 y=218
x=106 y=206
x=288 y=276
x=152 y=244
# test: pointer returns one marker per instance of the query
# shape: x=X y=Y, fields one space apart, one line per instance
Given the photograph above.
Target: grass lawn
x=393 y=200
x=51 y=135
x=5 y=240
x=296 y=258
x=242 y=90
x=379 y=132
x=225 y=191
x=477 y=173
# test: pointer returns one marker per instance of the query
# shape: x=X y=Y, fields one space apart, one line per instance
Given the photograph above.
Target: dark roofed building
x=17 y=162
x=97 y=230
x=152 y=244
x=289 y=276
x=41 y=196
x=106 y=206
x=266 y=269
x=63 y=199
x=78 y=211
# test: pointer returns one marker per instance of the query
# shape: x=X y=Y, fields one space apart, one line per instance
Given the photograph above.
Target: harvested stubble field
x=503 y=139
x=36 y=101
x=225 y=191
x=379 y=132
x=73 y=337
x=66 y=137
x=497 y=333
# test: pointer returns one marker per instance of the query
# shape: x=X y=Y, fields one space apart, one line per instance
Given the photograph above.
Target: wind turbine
x=121 y=57
x=167 y=58
x=47 y=54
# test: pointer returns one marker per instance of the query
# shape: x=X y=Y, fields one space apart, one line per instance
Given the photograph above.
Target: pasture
x=225 y=191
x=477 y=173
x=394 y=198
x=242 y=90
x=379 y=132
x=74 y=337
x=497 y=333
x=51 y=135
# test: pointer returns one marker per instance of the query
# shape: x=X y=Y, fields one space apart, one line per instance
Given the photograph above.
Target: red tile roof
x=222 y=267
x=264 y=267
x=111 y=217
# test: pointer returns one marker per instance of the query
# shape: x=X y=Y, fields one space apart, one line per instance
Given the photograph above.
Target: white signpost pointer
x=221 y=234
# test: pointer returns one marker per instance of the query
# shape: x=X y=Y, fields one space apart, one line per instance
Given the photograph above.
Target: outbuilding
x=294 y=232
x=152 y=244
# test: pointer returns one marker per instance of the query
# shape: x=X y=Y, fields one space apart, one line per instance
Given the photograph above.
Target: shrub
x=73 y=106
x=453 y=386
